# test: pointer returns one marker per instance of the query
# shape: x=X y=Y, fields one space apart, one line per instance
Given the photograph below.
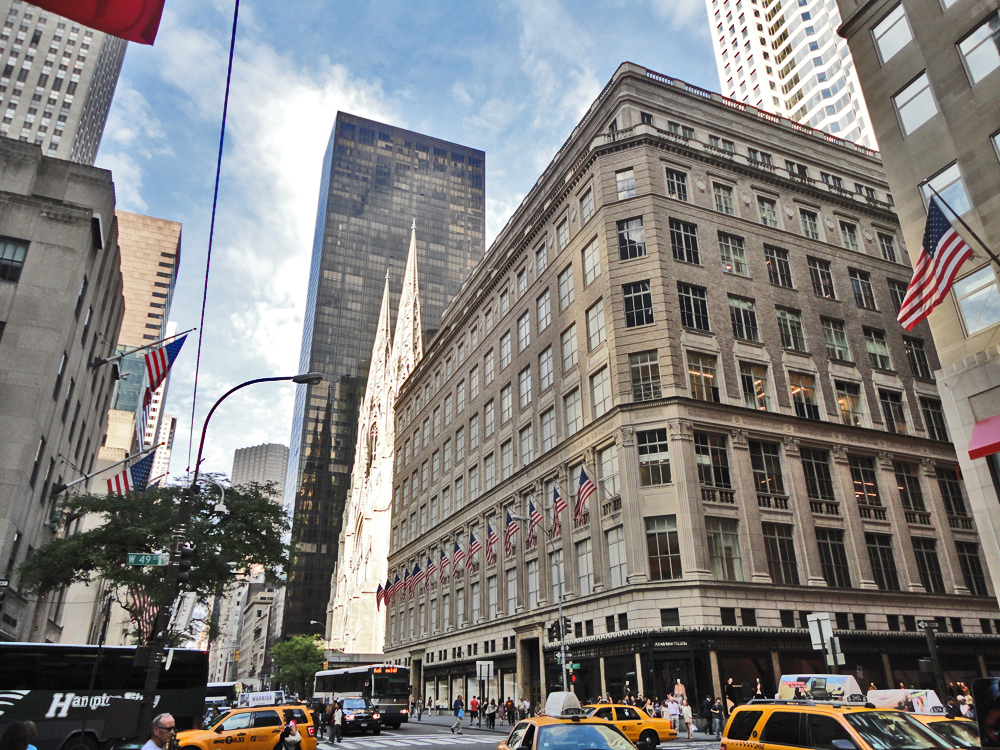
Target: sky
x=511 y=77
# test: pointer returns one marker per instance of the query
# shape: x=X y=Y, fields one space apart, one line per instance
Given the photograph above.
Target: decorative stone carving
x=868 y=234
x=680 y=429
x=700 y=183
x=746 y=197
x=791 y=446
x=625 y=437
x=789 y=211
x=839 y=453
x=885 y=460
x=929 y=467
x=829 y=222
x=739 y=438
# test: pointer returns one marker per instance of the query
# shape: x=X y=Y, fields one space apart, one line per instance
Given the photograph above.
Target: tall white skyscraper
x=57 y=79
x=785 y=56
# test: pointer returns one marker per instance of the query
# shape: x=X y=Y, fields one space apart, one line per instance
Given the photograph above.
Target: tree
x=296 y=662
x=248 y=536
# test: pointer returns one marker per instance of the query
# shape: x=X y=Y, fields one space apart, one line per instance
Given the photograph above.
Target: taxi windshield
x=581 y=737
x=221 y=717
x=893 y=730
x=964 y=734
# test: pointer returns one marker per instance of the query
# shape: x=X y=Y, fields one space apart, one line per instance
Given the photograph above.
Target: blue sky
x=511 y=78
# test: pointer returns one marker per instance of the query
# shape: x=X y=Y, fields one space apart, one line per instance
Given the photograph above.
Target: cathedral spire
x=408 y=346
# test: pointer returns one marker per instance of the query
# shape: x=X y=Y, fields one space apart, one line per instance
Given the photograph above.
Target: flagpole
x=965 y=225
x=63 y=487
x=98 y=361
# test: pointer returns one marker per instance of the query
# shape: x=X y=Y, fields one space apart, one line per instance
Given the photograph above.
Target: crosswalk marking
x=423 y=740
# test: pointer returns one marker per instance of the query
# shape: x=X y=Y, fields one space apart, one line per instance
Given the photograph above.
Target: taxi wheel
x=377 y=731
x=649 y=738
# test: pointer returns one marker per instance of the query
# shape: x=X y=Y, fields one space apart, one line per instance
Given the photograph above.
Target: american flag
x=942 y=253
x=430 y=571
x=406 y=583
x=159 y=360
x=583 y=495
x=415 y=579
x=535 y=519
x=387 y=591
x=142 y=611
x=491 y=543
x=140 y=427
x=558 y=506
x=378 y=597
x=474 y=546
x=459 y=557
x=508 y=537
x=396 y=585
x=134 y=478
x=444 y=564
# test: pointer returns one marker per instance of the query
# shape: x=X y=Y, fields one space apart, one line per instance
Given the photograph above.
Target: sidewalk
x=447 y=719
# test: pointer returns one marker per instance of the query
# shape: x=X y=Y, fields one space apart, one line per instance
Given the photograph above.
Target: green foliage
x=296 y=662
x=249 y=535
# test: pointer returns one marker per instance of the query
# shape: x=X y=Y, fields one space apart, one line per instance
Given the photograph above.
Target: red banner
x=134 y=20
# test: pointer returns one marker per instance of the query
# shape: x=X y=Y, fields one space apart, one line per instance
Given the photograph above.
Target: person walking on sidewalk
x=457 y=707
x=717 y=718
x=473 y=710
x=687 y=715
x=491 y=715
x=420 y=708
x=338 y=721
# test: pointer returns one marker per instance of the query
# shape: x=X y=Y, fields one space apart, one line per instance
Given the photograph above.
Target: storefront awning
x=985 y=438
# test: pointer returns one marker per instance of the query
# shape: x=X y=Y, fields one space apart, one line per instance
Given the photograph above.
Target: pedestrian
x=420 y=708
x=163 y=731
x=290 y=737
x=338 y=721
x=717 y=716
x=527 y=708
x=687 y=716
x=674 y=710
x=15 y=737
x=457 y=707
x=491 y=714
x=473 y=709
x=706 y=713
x=511 y=711
x=731 y=696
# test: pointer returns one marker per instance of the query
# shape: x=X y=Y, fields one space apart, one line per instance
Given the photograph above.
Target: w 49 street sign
x=148 y=558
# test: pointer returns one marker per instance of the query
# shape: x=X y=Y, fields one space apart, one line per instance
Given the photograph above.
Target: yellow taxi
x=564 y=724
x=784 y=724
x=635 y=723
x=959 y=732
x=256 y=728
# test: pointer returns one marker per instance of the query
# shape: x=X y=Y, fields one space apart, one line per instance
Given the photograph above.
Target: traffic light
x=567 y=627
x=572 y=678
x=184 y=564
x=325 y=664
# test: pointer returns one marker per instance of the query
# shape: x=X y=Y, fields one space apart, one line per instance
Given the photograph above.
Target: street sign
x=4 y=583
x=575 y=665
x=484 y=670
x=148 y=558
x=820 y=630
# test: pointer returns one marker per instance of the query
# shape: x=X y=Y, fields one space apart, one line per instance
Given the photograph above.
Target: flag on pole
x=474 y=546
x=583 y=495
x=459 y=557
x=558 y=506
x=406 y=583
x=508 y=537
x=132 y=20
x=491 y=543
x=535 y=518
x=942 y=253
x=159 y=361
x=444 y=564
x=140 y=424
x=132 y=479
x=387 y=592
x=378 y=597
x=415 y=579
x=143 y=610
x=430 y=571
x=396 y=585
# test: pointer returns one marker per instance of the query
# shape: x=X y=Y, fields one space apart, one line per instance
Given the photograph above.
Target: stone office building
x=695 y=305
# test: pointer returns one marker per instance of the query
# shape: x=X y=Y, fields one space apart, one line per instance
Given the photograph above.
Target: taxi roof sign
x=564 y=705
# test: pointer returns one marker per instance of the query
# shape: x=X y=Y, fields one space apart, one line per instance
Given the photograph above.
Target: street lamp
x=562 y=625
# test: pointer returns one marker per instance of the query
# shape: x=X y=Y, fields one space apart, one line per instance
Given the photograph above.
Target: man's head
x=163 y=730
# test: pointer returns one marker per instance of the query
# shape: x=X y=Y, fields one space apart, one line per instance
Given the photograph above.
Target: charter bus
x=386 y=685
x=222 y=694
x=48 y=683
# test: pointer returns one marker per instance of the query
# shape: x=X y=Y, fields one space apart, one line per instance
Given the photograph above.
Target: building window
x=822 y=279
x=506 y=459
x=891 y=34
x=849 y=403
x=488 y=418
x=12 y=254
x=908 y=483
x=790 y=328
x=833 y=558
x=541 y=262
x=917 y=357
x=523 y=332
x=491 y=587
x=600 y=389
x=548 y=430
x=562 y=235
x=892 y=410
x=545 y=369
x=948 y=182
x=684 y=241
x=524 y=386
x=511 y=589
x=584 y=568
x=631 y=239
x=532 y=571
x=591 y=262
x=753 y=377
x=712 y=460
x=565 y=288
x=861 y=285
x=743 y=314
x=505 y=350
x=835 y=339
x=888 y=246
x=864 y=479
x=654 y=458
x=638 y=304
x=810 y=224
x=724 y=548
x=915 y=104
x=803 y=389
x=615 y=543
x=587 y=206
x=928 y=565
x=702 y=377
x=766 y=465
x=522 y=282
x=607 y=470
x=951 y=491
x=933 y=415
x=694 y=306
x=595 y=325
x=819 y=481
x=768 y=214
x=663 y=547
x=724 y=199
x=878 y=349
x=504 y=302
x=625 y=182
x=897 y=291
x=978 y=299
x=489 y=472
x=568 y=344
x=506 y=403
x=979 y=49
x=571 y=411
x=972 y=568
x=677 y=185
x=779 y=272
x=645 y=370
x=544 y=306
x=734 y=257
x=780 y=551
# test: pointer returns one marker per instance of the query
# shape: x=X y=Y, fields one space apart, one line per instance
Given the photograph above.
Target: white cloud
x=682 y=14
x=459 y=92
x=127 y=175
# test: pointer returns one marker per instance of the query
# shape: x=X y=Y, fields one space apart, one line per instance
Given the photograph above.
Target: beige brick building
x=695 y=304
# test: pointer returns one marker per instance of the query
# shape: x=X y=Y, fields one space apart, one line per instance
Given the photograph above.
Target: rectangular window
x=584 y=568
x=978 y=300
x=712 y=460
x=833 y=558
x=810 y=223
x=779 y=272
x=489 y=422
x=951 y=491
x=12 y=254
x=541 y=259
x=933 y=415
x=548 y=420
x=556 y=575
x=849 y=236
x=663 y=548
x=600 y=389
x=724 y=548
x=568 y=344
x=897 y=292
x=504 y=302
x=743 y=314
x=595 y=325
x=474 y=383
x=565 y=288
x=489 y=472
x=447 y=409
x=625 y=184
x=865 y=482
x=892 y=411
x=587 y=206
x=677 y=185
x=882 y=561
x=917 y=357
x=654 y=459
x=822 y=279
x=908 y=483
x=887 y=245
x=544 y=307
x=803 y=390
x=523 y=333
x=835 y=339
x=607 y=470
x=928 y=565
x=878 y=349
x=460 y=397
x=562 y=235
x=571 y=411
x=915 y=104
x=545 y=369
x=531 y=569
x=948 y=182
x=819 y=481
x=849 y=402
x=702 y=377
x=506 y=459
x=694 y=306
x=892 y=33
x=505 y=350
x=488 y=367
x=638 y=304
x=780 y=551
x=766 y=464
x=473 y=432
x=972 y=568
x=753 y=378
x=591 y=262
x=979 y=49
x=524 y=387
x=506 y=403
x=511 y=588
x=861 y=284
x=473 y=482
x=615 y=543
x=724 y=199
x=790 y=328
x=734 y=256
x=631 y=239
x=645 y=371
x=684 y=241
x=768 y=214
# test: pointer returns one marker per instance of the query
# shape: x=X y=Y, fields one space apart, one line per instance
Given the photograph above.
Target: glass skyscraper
x=377 y=180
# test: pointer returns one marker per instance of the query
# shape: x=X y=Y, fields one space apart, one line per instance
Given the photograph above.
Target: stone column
x=887 y=668
x=541 y=669
x=521 y=579
x=741 y=471
x=545 y=592
x=599 y=553
x=854 y=532
x=691 y=519
x=604 y=683
x=571 y=574
x=713 y=663
x=631 y=499
x=805 y=525
x=638 y=675
x=775 y=669
x=951 y=568
x=906 y=567
x=523 y=670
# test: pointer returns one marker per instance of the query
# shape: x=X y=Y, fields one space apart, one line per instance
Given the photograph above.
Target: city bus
x=49 y=684
x=222 y=694
x=386 y=685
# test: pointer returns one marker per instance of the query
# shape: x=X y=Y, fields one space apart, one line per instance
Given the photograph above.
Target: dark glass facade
x=377 y=179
